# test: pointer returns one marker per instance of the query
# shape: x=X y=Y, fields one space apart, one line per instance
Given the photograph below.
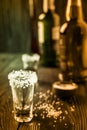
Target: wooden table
x=50 y=110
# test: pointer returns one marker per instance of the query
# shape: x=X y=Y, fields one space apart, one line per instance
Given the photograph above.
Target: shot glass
x=31 y=62
x=22 y=85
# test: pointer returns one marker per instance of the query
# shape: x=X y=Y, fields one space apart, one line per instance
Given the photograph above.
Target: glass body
x=22 y=85
x=48 y=36
x=73 y=45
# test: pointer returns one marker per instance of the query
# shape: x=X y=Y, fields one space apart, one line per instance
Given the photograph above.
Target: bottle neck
x=48 y=5
x=74 y=10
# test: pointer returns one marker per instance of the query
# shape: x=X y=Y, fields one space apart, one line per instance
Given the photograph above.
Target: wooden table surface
x=51 y=112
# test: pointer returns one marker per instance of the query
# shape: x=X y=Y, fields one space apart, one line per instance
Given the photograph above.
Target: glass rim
x=22 y=78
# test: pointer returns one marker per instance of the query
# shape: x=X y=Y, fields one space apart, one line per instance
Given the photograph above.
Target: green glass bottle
x=48 y=34
x=73 y=45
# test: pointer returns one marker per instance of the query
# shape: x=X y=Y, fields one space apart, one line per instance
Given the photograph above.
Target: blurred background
x=18 y=28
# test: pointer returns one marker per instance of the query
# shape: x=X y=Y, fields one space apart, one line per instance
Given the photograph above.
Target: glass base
x=64 y=90
x=65 y=86
x=23 y=118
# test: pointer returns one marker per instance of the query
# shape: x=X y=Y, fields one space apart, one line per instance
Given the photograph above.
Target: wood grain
x=7 y=121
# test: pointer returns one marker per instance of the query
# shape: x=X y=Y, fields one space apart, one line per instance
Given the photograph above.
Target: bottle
x=34 y=48
x=48 y=34
x=73 y=45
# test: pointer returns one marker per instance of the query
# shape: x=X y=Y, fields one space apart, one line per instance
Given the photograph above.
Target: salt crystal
x=72 y=108
x=50 y=106
x=66 y=112
x=65 y=124
x=63 y=117
x=59 y=108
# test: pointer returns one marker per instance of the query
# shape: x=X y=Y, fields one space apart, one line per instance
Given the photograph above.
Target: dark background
x=16 y=23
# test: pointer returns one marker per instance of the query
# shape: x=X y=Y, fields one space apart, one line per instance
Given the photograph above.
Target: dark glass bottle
x=73 y=45
x=34 y=48
x=48 y=34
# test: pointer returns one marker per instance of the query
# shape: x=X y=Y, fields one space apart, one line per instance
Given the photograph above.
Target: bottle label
x=40 y=32
x=56 y=33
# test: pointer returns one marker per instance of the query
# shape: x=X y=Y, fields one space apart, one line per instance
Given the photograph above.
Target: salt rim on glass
x=22 y=78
